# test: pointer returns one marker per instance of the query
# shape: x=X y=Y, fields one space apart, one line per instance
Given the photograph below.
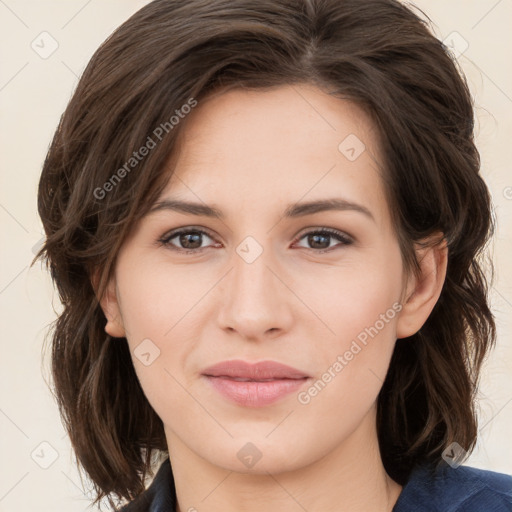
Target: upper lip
x=254 y=371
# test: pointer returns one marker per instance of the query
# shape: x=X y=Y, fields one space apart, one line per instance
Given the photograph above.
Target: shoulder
x=461 y=489
x=159 y=496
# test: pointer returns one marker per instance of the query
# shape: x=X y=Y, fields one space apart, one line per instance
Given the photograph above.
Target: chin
x=260 y=454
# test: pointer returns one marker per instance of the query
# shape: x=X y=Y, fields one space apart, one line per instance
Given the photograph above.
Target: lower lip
x=253 y=393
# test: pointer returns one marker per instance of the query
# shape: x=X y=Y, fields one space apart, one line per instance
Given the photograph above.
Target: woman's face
x=264 y=281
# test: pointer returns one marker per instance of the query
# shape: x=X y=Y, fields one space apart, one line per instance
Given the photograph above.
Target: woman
x=265 y=222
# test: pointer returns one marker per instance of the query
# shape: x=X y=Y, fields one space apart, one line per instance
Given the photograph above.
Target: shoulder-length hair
x=93 y=189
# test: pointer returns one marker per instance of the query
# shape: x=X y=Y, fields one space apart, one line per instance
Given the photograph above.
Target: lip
x=254 y=384
x=262 y=370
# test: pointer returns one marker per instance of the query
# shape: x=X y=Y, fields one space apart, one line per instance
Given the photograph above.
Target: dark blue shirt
x=464 y=489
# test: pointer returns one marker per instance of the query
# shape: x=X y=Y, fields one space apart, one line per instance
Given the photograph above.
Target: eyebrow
x=292 y=211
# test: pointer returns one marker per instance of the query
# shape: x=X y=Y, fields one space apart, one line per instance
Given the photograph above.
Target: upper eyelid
x=186 y=229
x=201 y=229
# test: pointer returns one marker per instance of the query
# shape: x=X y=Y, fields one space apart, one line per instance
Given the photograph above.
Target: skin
x=252 y=154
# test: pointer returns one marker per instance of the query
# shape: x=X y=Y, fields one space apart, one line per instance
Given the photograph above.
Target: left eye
x=190 y=240
x=315 y=238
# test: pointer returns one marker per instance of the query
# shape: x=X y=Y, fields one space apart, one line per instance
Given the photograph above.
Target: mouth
x=254 y=385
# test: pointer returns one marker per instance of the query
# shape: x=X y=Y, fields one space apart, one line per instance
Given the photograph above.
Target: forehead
x=259 y=148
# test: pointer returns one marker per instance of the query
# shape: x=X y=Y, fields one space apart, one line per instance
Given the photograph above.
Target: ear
x=423 y=291
x=110 y=305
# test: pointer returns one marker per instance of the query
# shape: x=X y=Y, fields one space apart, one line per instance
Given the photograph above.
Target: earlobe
x=110 y=305
x=423 y=291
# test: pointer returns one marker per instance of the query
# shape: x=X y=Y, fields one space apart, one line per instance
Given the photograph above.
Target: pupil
x=314 y=239
x=185 y=238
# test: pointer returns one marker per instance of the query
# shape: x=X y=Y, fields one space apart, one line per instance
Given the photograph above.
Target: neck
x=351 y=478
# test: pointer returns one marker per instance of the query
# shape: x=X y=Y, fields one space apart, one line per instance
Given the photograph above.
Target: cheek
x=158 y=298
x=360 y=308
x=351 y=368
x=159 y=307
x=354 y=298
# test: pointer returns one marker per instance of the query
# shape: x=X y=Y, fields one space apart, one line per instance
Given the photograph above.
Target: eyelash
x=165 y=240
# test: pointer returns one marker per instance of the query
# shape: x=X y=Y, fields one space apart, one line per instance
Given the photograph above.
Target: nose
x=254 y=299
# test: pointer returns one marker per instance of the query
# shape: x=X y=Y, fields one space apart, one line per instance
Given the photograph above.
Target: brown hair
x=377 y=53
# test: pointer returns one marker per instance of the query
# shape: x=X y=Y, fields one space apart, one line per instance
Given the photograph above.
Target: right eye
x=189 y=240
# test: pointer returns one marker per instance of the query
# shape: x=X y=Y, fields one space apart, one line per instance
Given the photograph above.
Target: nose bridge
x=255 y=300
x=251 y=263
x=251 y=278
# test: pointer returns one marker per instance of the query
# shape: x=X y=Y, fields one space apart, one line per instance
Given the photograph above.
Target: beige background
x=33 y=93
